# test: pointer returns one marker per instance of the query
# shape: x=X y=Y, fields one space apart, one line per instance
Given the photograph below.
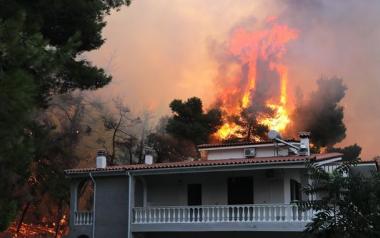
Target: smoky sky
x=159 y=50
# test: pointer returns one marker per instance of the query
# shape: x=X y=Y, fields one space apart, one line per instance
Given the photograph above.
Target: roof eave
x=192 y=169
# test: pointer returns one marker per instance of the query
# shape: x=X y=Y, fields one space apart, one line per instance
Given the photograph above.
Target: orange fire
x=258 y=54
x=37 y=230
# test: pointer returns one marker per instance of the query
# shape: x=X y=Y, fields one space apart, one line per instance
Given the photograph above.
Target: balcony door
x=194 y=194
x=240 y=190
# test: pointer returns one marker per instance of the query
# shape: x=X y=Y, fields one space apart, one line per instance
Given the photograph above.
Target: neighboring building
x=238 y=189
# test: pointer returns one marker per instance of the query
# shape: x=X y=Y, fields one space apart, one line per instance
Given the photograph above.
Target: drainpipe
x=129 y=204
x=93 y=206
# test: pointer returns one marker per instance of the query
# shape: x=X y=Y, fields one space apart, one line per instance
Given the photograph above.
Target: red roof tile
x=202 y=163
x=206 y=146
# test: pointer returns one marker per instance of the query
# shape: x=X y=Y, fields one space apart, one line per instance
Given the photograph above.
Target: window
x=295 y=190
x=194 y=194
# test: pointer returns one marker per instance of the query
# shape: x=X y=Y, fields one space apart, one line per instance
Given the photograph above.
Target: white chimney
x=148 y=159
x=101 y=159
x=305 y=142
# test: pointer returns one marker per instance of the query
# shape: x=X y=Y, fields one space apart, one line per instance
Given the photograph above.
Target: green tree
x=167 y=148
x=348 y=206
x=251 y=129
x=40 y=47
x=351 y=152
x=191 y=123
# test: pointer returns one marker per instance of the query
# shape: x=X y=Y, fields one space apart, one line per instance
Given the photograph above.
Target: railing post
x=295 y=215
x=264 y=213
x=274 y=218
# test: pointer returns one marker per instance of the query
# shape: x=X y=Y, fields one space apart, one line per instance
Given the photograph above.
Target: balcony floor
x=221 y=226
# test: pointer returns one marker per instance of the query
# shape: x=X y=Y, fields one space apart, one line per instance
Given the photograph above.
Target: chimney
x=305 y=142
x=148 y=159
x=101 y=159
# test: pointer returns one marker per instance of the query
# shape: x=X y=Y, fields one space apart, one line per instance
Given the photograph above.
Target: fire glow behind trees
x=254 y=77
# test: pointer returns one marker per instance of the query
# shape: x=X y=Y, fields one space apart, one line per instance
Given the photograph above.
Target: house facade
x=237 y=189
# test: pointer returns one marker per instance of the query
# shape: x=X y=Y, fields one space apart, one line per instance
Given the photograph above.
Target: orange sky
x=158 y=50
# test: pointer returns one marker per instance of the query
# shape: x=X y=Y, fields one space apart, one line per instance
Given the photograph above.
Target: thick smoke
x=322 y=114
x=339 y=37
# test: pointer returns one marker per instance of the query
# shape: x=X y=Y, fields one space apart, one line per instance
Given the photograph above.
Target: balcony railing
x=83 y=218
x=223 y=213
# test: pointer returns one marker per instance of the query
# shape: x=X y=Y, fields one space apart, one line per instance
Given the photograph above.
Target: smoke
x=321 y=114
x=339 y=38
x=165 y=45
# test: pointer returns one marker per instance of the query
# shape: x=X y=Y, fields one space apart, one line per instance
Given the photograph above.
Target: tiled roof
x=206 y=146
x=202 y=163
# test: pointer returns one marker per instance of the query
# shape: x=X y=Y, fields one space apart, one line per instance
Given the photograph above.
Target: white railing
x=224 y=213
x=83 y=218
x=331 y=168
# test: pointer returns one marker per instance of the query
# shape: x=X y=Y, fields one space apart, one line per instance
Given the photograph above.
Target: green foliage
x=351 y=152
x=40 y=46
x=169 y=149
x=8 y=208
x=348 y=205
x=251 y=129
x=191 y=123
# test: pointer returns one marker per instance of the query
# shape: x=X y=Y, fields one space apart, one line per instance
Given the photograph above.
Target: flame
x=38 y=230
x=267 y=45
x=228 y=129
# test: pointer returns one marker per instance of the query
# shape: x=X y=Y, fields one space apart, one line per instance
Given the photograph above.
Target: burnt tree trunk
x=24 y=211
x=58 y=218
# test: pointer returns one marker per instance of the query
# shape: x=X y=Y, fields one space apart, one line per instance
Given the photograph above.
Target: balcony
x=222 y=217
x=83 y=218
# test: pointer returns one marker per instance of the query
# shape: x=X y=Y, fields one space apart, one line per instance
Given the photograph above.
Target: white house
x=237 y=189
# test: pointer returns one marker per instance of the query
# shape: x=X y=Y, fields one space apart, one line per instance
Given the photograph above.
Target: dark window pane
x=194 y=194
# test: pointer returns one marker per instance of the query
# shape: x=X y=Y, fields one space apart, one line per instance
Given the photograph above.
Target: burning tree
x=253 y=97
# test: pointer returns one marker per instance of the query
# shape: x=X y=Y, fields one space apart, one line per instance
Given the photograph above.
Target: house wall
x=171 y=190
x=238 y=153
x=111 y=218
x=75 y=230
x=111 y=207
x=219 y=235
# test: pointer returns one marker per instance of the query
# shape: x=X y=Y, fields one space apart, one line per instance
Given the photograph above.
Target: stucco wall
x=220 y=235
x=111 y=209
x=171 y=190
x=219 y=154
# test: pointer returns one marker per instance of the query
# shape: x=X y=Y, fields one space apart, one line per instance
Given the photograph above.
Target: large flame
x=267 y=45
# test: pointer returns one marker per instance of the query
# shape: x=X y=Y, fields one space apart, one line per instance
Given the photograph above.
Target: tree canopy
x=191 y=123
x=348 y=206
x=351 y=152
x=41 y=46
